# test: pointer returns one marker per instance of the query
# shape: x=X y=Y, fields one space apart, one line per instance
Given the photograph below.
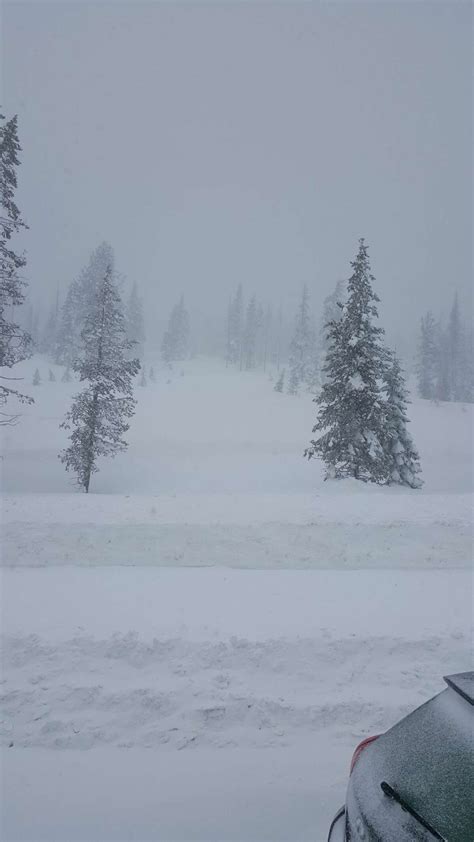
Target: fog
x=219 y=143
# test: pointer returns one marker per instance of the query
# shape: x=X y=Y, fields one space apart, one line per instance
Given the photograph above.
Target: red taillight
x=360 y=749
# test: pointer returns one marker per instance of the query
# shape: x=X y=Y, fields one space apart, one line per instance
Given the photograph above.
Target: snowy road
x=253 y=684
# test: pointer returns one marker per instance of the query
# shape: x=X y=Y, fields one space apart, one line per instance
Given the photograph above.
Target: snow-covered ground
x=151 y=687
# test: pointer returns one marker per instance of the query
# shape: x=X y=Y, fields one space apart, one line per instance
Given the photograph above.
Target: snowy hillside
x=331 y=609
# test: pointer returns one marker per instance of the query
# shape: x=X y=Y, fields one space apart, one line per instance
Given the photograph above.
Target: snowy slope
x=141 y=701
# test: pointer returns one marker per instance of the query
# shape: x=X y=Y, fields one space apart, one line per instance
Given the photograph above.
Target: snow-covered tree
x=455 y=349
x=36 y=378
x=99 y=414
x=402 y=459
x=175 y=345
x=332 y=312
x=14 y=341
x=250 y=334
x=280 y=383
x=79 y=301
x=143 y=381
x=66 y=378
x=151 y=375
x=427 y=357
x=135 y=322
x=235 y=325
x=351 y=414
x=51 y=376
x=438 y=384
x=302 y=361
x=267 y=335
x=468 y=366
x=293 y=383
x=277 y=352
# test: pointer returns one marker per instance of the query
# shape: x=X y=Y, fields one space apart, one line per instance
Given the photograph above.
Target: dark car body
x=415 y=783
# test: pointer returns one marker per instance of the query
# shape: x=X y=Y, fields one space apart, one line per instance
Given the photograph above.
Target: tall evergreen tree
x=332 y=312
x=49 y=338
x=351 y=414
x=427 y=357
x=293 y=383
x=279 y=385
x=302 y=359
x=99 y=414
x=403 y=461
x=468 y=367
x=455 y=343
x=250 y=334
x=267 y=335
x=14 y=341
x=235 y=322
x=135 y=322
x=176 y=340
x=439 y=384
x=79 y=301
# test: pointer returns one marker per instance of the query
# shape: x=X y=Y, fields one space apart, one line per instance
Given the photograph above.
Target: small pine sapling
x=280 y=384
x=294 y=383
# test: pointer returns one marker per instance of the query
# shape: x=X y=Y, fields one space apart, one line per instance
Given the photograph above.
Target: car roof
x=462 y=683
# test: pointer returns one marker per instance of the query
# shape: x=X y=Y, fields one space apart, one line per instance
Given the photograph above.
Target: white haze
x=219 y=143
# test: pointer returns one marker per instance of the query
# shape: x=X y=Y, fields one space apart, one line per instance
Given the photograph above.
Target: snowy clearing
x=216 y=703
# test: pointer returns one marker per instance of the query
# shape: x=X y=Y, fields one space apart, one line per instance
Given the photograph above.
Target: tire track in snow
x=177 y=694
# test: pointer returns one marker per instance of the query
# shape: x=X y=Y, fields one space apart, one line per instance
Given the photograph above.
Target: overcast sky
x=212 y=143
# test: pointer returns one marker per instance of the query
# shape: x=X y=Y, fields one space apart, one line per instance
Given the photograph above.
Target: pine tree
x=36 y=378
x=332 y=312
x=152 y=375
x=403 y=462
x=350 y=419
x=427 y=357
x=468 y=366
x=14 y=341
x=279 y=385
x=98 y=416
x=66 y=378
x=260 y=335
x=267 y=335
x=455 y=351
x=439 y=383
x=49 y=338
x=143 y=378
x=51 y=376
x=175 y=345
x=293 y=383
x=278 y=338
x=135 y=322
x=235 y=320
x=250 y=334
x=79 y=301
x=302 y=359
